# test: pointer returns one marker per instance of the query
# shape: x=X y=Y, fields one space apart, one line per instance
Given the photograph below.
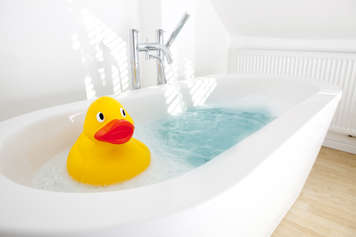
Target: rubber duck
x=105 y=152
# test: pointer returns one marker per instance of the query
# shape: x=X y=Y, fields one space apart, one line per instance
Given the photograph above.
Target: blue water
x=201 y=133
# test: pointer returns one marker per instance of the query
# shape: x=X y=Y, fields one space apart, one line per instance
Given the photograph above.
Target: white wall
x=212 y=40
x=55 y=52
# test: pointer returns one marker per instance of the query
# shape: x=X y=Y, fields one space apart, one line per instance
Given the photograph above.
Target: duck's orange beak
x=115 y=132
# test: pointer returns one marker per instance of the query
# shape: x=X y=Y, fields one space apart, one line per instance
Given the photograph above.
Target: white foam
x=53 y=175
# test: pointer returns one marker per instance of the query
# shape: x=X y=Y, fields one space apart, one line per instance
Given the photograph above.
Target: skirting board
x=340 y=142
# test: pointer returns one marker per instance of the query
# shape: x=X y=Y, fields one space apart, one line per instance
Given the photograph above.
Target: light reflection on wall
x=172 y=91
x=188 y=69
x=89 y=87
x=174 y=99
x=103 y=54
x=171 y=70
x=200 y=89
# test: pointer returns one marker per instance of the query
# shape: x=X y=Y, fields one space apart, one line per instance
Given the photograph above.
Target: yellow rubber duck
x=105 y=152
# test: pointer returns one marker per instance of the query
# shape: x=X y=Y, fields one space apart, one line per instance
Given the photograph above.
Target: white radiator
x=336 y=68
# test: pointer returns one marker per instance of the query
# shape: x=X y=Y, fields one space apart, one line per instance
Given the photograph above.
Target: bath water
x=177 y=143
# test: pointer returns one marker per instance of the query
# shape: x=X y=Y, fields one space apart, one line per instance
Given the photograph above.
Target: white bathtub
x=245 y=191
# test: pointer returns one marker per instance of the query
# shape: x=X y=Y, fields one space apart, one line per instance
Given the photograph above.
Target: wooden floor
x=327 y=204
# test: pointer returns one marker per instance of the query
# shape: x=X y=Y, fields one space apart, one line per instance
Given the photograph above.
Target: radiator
x=338 y=69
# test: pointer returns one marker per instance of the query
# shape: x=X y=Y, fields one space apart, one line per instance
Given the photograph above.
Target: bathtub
x=245 y=191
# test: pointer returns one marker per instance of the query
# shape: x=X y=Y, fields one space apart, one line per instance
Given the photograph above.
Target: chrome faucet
x=158 y=50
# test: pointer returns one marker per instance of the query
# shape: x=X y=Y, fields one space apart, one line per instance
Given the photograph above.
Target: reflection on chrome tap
x=159 y=51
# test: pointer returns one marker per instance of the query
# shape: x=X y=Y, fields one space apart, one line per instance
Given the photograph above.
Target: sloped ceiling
x=306 y=19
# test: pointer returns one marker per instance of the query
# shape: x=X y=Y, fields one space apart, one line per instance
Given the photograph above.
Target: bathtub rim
x=40 y=197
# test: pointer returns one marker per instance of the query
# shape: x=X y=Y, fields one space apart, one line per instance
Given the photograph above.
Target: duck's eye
x=100 y=117
x=123 y=112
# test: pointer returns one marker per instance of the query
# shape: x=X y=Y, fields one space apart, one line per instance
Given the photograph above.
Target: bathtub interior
x=30 y=140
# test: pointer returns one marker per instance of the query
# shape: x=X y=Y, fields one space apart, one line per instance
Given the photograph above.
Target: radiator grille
x=336 y=68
